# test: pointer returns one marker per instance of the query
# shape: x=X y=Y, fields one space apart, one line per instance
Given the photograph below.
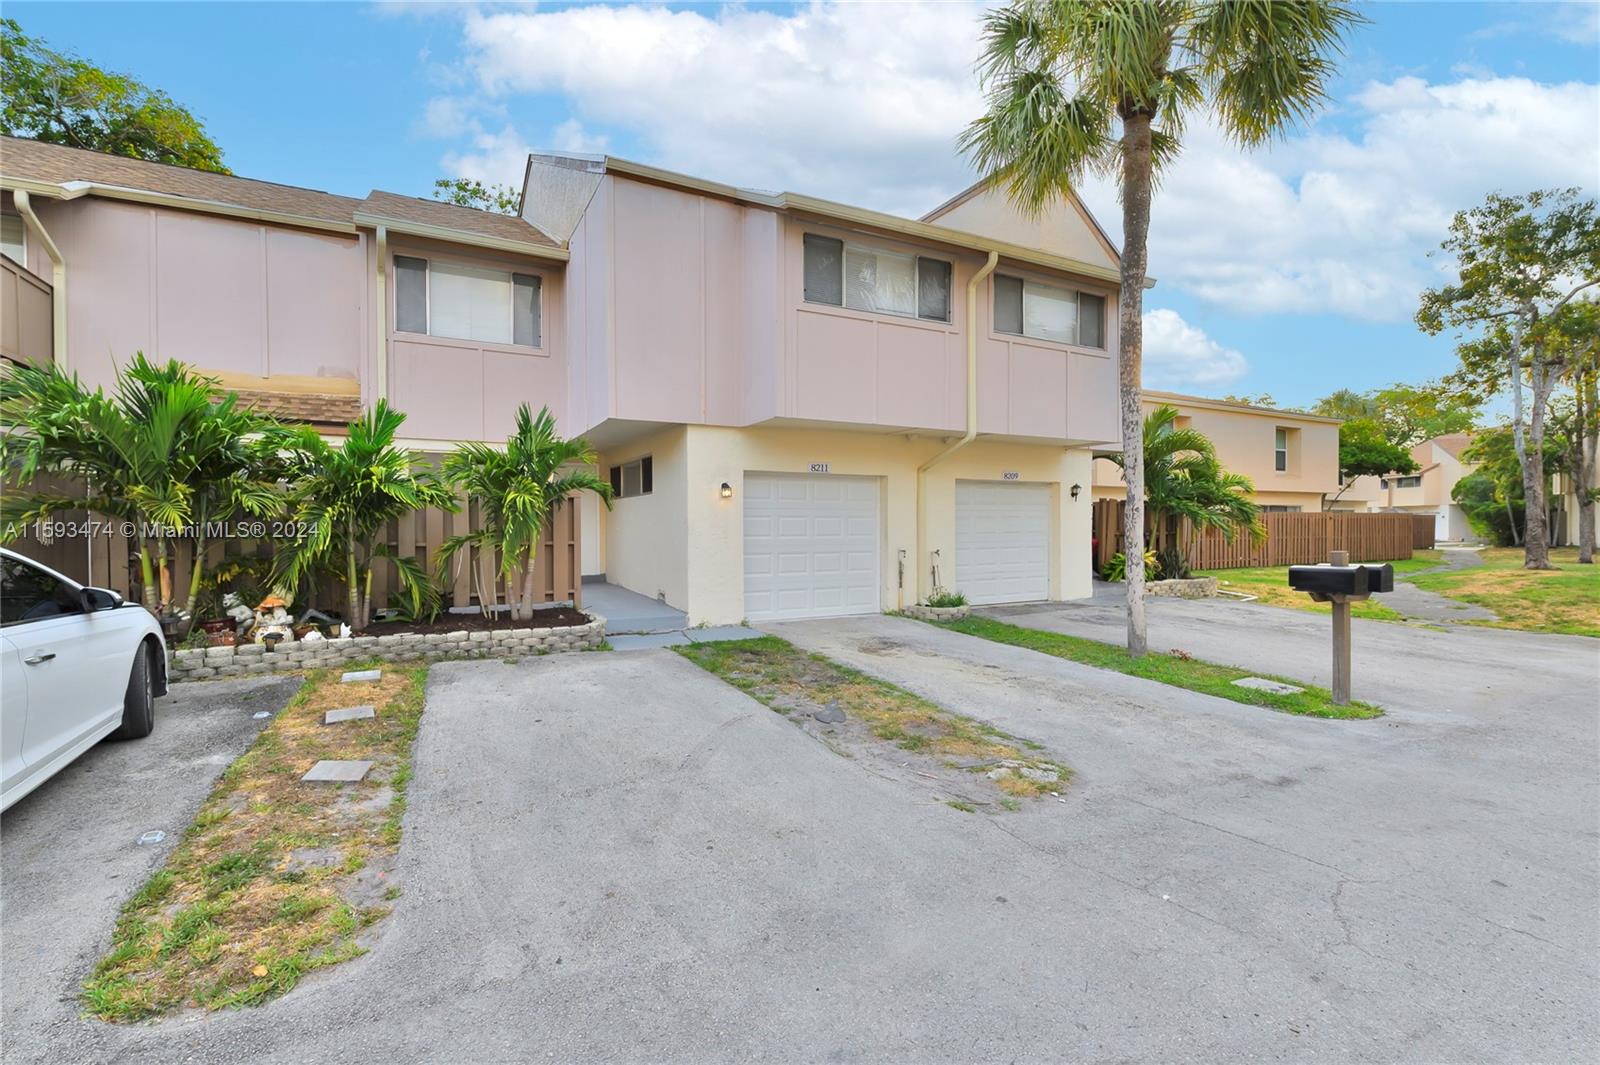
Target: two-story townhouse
x=1291 y=458
x=806 y=408
x=1428 y=490
x=810 y=409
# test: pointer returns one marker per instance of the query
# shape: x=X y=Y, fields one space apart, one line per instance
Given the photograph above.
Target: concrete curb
x=206 y=663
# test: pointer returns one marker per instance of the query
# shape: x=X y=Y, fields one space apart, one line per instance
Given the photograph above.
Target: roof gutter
x=58 y=279
x=71 y=190
x=456 y=236
x=972 y=405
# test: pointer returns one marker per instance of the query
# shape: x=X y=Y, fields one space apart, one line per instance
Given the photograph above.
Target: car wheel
x=139 y=705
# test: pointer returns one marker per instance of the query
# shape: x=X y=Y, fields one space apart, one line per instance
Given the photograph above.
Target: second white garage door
x=810 y=546
x=1002 y=541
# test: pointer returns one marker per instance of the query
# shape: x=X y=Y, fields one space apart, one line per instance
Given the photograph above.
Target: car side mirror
x=94 y=599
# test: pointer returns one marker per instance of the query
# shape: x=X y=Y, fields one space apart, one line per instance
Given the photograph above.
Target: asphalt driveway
x=72 y=857
x=620 y=857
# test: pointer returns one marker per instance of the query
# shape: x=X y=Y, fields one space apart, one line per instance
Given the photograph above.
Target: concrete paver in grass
x=1265 y=685
x=358 y=676
x=349 y=713
x=337 y=772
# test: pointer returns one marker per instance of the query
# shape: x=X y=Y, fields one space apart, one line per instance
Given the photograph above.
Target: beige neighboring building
x=1428 y=491
x=1564 y=508
x=1291 y=458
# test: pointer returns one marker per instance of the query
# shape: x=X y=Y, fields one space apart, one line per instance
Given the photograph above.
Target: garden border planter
x=1187 y=588
x=937 y=613
x=208 y=663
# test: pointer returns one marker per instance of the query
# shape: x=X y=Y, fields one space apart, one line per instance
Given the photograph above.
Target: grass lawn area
x=1270 y=585
x=1178 y=671
x=1565 y=599
x=276 y=877
x=786 y=679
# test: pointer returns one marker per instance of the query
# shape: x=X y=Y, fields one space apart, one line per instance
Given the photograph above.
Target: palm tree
x=160 y=454
x=1064 y=77
x=517 y=490
x=1183 y=479
x=343 y=496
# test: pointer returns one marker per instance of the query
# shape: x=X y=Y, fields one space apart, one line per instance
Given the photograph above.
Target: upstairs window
x=1408 y=482
x=876 y=281
x=465 y=302
x=636 y=478
x=1048 y=312
x=1280 y=450
x=14 y=238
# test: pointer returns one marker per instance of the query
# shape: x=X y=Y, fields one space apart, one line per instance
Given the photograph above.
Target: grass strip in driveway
x=791 y=682
x=276 y=877
x=1180 y=671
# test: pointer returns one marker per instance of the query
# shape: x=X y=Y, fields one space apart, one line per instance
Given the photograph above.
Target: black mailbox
x=1334 y=580
x=1380 y=578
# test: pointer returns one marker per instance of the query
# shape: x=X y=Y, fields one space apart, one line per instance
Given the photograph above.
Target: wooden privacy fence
x=1292 y=539
x=107 y=557
x=1422 y=532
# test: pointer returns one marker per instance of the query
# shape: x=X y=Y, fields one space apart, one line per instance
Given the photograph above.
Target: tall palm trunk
x=1136 y=173
x=524 y=607
x=147 y=579
x=352 y=585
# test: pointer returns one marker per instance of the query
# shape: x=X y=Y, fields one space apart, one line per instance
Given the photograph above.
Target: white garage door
x=1002 y=541
x=810 y=546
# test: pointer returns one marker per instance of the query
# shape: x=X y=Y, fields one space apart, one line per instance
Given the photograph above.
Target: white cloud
x=860 y=102
x=495 y=157
x=1328 y=223
x=863 y=103
x=1178 y=355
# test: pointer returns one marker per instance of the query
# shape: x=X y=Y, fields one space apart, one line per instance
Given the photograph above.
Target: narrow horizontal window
x=467 y=302
x=634 y=478
x=1048 y=312
x=875 y=280
x=1409 y=482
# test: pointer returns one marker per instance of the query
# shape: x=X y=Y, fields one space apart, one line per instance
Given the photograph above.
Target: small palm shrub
x=1117 y=568
x=943 y=599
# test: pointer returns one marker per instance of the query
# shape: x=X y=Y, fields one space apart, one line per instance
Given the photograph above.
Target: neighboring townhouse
x=1564 y=512
x=1427 y=491
x=1290 y=457
x=806 y=408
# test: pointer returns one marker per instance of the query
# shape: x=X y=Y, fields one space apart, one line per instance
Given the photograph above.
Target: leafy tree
x=1365 y=451
x=160 y=452
x=518 y=489
x=1494 y=511
x=59 y=98
x=1407 y=414
x=1493 y=451
x=1519 y=260
x=343 y=496
x=1109 y=86
x=467 y=192
x=1263 y=399
x=1183 y=479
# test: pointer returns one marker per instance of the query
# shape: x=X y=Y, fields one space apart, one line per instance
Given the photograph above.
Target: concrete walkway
x=636 y=622
x=1414 y=602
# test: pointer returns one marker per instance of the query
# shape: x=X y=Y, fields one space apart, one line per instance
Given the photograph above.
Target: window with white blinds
x=466 y=302
x=1048 y=312
x=875 y=280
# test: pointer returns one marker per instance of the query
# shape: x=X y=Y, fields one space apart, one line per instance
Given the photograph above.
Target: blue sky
x=1291 y=271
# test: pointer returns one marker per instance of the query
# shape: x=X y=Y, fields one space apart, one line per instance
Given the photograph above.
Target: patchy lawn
x=1270 y=585
x=1562 y=600
x=276 y=877
x=1180 y=671
x=977 y=764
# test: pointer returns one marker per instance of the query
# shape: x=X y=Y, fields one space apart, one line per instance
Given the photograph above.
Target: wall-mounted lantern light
x=1076 y=489
x=727 y=490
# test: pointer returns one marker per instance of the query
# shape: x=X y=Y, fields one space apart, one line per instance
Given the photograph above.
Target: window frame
x=428 y=259
x=23 y=224
x=916 y=258
x=1078 y=295
x=1280 y=454
x=1408 y=480
x=617 y=474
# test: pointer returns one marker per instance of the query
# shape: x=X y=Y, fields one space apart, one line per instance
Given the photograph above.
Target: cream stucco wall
x=692 y=545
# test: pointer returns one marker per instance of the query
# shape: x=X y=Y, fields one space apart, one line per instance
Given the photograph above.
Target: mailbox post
x=1340 y=583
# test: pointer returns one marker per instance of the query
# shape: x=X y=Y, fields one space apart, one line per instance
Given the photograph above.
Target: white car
x=76 y=665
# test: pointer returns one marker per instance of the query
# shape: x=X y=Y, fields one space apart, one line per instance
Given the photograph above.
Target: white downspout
x=380 y=377
x=972 y=408
x=58 y=278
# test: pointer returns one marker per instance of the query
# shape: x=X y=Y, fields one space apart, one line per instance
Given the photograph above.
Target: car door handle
x=40 y=659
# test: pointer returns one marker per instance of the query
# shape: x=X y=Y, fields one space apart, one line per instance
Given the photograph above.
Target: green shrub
x=1117 y=568
x=946 y=599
